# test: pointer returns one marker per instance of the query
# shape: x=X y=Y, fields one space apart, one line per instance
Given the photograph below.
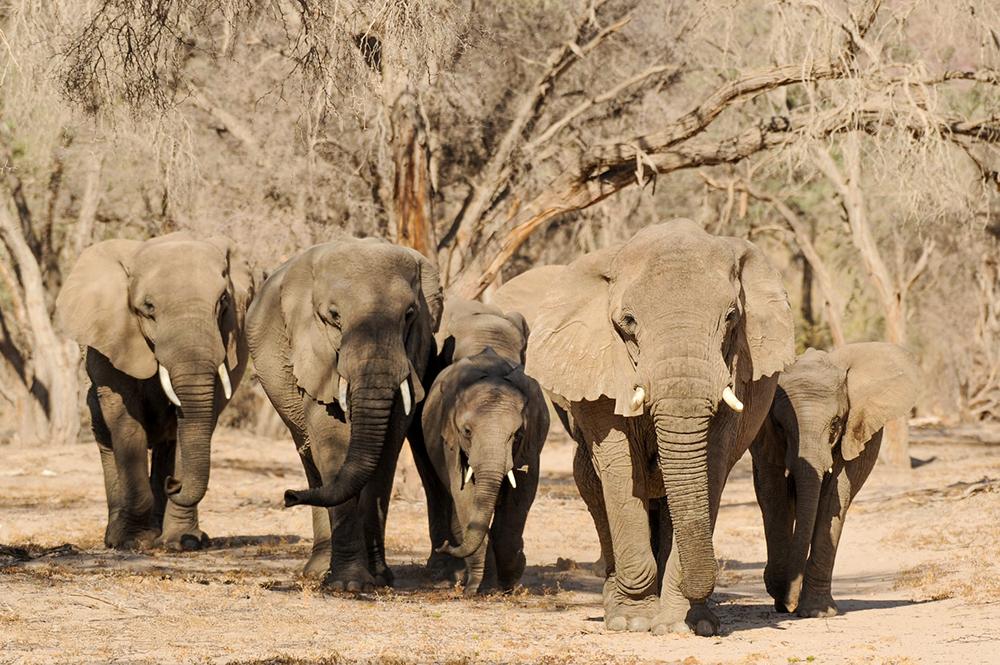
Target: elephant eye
x=732 y=314
x=467 y=432
x=147 y=308
x=411 y=312
x=334 y=317
x=627 y=324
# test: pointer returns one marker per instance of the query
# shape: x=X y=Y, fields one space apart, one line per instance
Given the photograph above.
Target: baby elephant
x=814 y=452
x=484 y=423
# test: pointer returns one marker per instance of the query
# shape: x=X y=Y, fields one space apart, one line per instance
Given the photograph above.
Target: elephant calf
x=162 y=321
x=815 y=451
x=484 y=424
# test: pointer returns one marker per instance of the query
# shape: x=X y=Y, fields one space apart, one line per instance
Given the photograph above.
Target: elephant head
x=675 y=323
x=468 y=327
x=830 y=402
x=355 y=314
x=173 y=306
x=487 y=413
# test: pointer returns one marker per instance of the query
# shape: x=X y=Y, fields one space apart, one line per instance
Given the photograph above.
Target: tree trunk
x=54 y=359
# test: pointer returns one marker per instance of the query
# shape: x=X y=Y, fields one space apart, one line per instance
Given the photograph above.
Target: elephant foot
x=349 y=577
x=445 y=568
x=186 y=541
x=509 y=575
x=383 y=576
x=779 y=606
x=319 y=561
x=817 y=606
x=622 y=612
x=130 y=534
x=685 y=619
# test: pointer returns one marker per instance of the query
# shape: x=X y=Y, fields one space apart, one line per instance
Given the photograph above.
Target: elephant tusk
x=404 y=390
x=729 y=397
x=638 y=398
x=168 y=388
x=227 y=387
x=468 y=475
x=342 y=398
x=510 y=477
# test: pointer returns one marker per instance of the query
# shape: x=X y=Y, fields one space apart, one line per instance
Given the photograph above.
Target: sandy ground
x=917 y=579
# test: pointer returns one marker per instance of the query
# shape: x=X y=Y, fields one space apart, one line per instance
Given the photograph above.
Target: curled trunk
x=487 y=490
x=682 y=445
x=370 y=408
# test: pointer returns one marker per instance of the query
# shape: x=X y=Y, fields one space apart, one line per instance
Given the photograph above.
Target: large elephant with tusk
x=663 y=353
x=341 y=336
x=163 y=323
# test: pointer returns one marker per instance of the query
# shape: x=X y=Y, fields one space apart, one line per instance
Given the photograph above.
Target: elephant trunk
x=808 y=488
x=194 y=384
x=370 y=410
x=682 y=446
x=487 y=490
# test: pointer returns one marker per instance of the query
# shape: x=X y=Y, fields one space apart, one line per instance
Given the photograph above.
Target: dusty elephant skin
x=341 y=336
x=663 y=353
x=484 y=425
x=813 y=454
x=163 y=324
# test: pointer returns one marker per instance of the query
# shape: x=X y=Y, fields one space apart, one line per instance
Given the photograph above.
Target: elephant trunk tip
x=294 y=498
x=174 y=491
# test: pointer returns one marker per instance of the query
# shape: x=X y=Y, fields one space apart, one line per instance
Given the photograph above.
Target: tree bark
x=54 y=359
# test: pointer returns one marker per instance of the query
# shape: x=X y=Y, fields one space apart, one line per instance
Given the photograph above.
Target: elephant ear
x=430 y=288
x=313 y=346
x=574 y=350
x=767 y=315
x=883 y=383
x=93 y=308
x=241 y=293
x=521 y=324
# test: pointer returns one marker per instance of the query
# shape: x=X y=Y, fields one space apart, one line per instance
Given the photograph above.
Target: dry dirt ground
x=917 y=578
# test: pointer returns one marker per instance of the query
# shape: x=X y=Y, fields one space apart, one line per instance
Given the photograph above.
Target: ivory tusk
x=227 y=387
x=168 y=388
x=729 y=397
x=404 y=389
x=342 y=398
x=638 y=398
x=468 y=475
x=510 y=477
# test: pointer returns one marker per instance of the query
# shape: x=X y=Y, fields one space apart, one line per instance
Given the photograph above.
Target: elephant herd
x=666 y=357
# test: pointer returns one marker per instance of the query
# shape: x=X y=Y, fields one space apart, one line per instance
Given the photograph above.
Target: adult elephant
x=663 y=352
x=341 y=336
x=163 y=323
x=815 y=451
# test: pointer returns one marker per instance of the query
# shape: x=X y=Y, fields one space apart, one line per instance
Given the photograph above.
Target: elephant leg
x=442 y=566
x=777 y=507
x=318 y=564
x=180 y=523
x=374 y=505
x=163 y=466
x=130 y=505
x=839 y=490
x=348 y=563
x=589 y=485
x=630 y=590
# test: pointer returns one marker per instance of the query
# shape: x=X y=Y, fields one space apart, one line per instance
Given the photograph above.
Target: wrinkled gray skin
x=682 y=314
x=814 y=452
x=176 y=302
x=363 y=311
x=483 y=413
